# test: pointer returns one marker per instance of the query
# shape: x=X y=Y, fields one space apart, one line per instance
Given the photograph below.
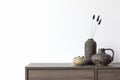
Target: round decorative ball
x=79 y=60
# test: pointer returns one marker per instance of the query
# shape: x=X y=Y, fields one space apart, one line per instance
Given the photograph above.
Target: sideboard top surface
x=68 y=66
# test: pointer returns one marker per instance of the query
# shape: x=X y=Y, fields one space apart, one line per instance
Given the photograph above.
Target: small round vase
x=101 y=58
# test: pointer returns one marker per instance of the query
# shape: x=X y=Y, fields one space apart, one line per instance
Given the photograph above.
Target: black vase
x=90 y=50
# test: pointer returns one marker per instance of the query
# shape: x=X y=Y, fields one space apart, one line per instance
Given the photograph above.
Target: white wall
x=52 y=31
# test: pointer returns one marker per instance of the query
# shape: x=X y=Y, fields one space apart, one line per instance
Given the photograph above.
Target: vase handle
x=112 y=52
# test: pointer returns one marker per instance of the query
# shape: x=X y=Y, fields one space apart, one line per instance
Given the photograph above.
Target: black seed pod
x=93 y=17
x=99 y=22
x=98 y=18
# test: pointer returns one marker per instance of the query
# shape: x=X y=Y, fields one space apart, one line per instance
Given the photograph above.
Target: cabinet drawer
x=110 y=74
x=60 y=75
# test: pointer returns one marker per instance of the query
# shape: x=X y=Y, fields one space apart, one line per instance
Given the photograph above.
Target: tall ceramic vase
x=90 y=50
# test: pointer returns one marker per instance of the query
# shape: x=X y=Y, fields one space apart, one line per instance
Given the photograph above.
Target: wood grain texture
x=69 y=71
x=67 y=66
x=60 y=74
x=109 y=74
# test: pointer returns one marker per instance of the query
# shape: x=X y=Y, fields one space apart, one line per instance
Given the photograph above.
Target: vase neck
x=102 y=50
x=90 y=39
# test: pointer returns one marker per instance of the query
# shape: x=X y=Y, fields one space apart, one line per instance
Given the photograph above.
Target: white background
x=53 y=31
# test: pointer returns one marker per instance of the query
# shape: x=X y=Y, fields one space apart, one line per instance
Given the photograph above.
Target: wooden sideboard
x=68 y=71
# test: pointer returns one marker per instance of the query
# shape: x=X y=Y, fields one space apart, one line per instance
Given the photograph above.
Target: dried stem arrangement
x=96 y=21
